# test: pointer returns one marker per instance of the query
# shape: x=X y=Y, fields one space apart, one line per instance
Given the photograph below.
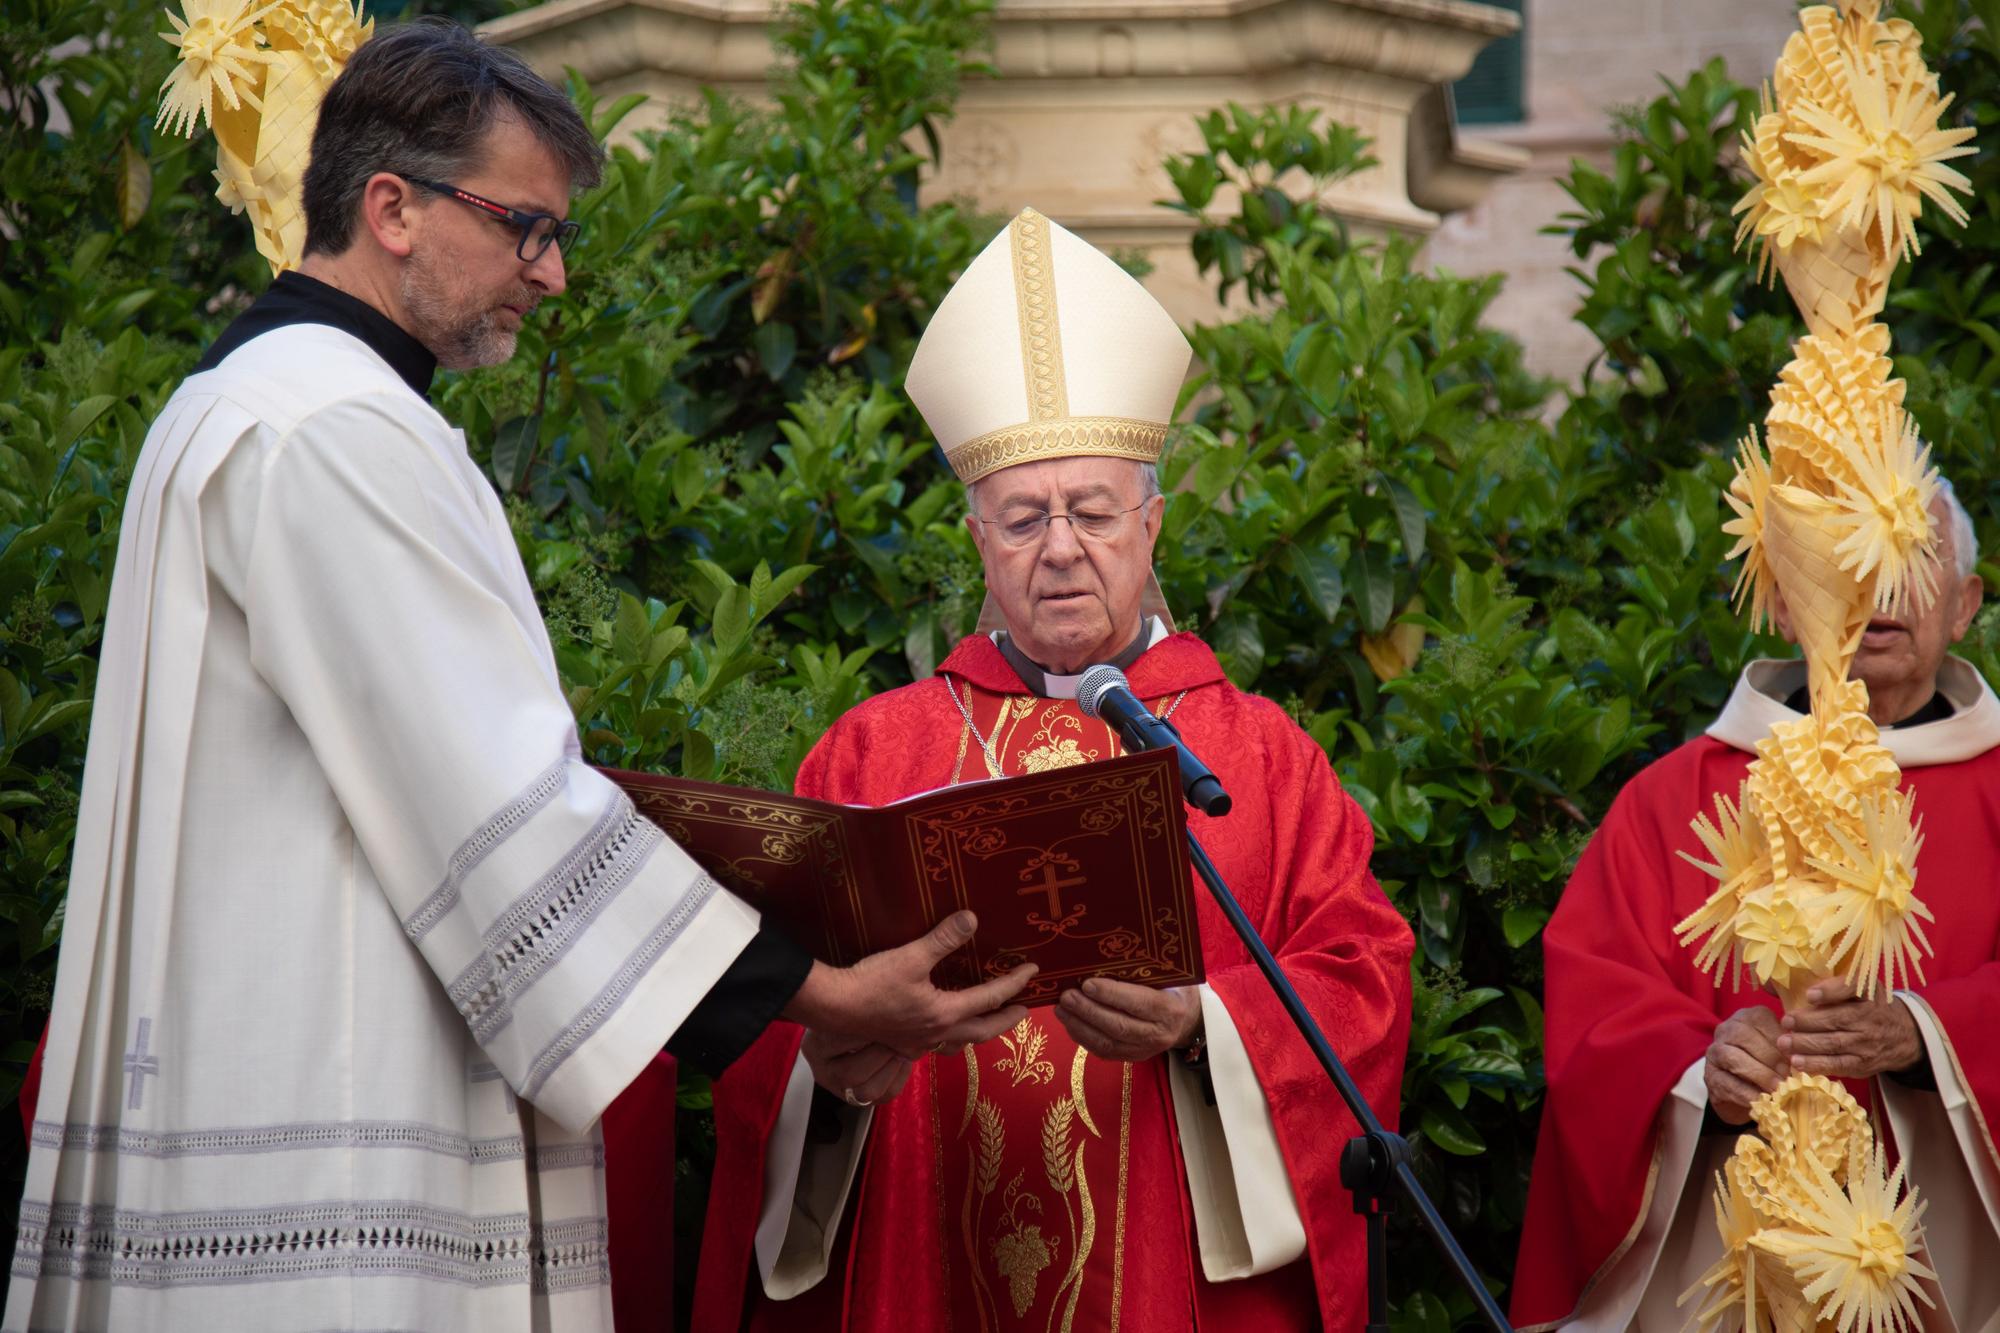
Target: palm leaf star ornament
x=1814 y=857
x=255 y=74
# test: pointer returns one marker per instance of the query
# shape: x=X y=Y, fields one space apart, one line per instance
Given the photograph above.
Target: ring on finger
x=847 y=1095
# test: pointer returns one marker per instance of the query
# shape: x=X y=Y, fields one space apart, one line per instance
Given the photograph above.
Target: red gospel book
x=1081 y=870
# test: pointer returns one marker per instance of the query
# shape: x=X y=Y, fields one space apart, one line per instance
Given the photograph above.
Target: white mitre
x=1045 y=348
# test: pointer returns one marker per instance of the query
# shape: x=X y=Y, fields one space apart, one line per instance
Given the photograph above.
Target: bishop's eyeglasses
x=1021 y=526
x=538 y=230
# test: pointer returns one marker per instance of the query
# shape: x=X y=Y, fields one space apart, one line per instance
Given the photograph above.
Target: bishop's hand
x=1841 y=1035
x=1121 y=1021
x=859 y=1073
x=888 y=998
x=1743 y=1063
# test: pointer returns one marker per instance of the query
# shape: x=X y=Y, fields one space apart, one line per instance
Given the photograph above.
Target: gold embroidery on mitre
x=1035 y=299
x=1071 y=437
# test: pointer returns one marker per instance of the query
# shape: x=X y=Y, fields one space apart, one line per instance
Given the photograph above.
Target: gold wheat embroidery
x=986 y=1174
x=992 y=1143
x=1076 y=1091
x=1056 y=1145
x=971 y=1087
x=1024 y=1055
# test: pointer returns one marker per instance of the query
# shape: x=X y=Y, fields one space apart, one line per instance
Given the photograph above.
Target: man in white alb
x=357 y=949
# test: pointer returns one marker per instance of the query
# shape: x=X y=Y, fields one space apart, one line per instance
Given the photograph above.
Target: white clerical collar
x=1064 y=687
x=1758 y=701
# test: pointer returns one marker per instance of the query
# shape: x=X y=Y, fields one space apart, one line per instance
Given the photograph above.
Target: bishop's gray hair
x=1964 y=542
x=1149 y=486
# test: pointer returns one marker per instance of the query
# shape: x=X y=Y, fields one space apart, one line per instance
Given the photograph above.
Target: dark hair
x=418 y=100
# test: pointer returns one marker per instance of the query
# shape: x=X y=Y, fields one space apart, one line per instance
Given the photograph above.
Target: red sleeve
x=1966 y=1005
x=748 y=1097
x=31 y=1085
x=1347 y=952
x=1622 y=1026
x=639 y=1199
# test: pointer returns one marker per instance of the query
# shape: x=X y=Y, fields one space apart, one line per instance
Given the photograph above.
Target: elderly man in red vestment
x=1652 y=1065
x=1135 y=1158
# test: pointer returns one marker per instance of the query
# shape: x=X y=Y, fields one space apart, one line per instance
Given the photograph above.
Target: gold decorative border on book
x=1070 y=437
x=1041 y=334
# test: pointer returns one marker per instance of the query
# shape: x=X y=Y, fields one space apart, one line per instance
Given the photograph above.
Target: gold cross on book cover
x=1081 y=870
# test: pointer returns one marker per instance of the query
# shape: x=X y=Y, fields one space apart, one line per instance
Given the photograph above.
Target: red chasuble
x=1628 y=1011
x=1026 y=1184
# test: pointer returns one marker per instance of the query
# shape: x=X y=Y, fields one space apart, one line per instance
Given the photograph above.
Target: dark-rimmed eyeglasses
x=538 y=230
x=1025 y=527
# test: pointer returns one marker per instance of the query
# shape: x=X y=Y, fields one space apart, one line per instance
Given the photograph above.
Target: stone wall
x=1584 y=59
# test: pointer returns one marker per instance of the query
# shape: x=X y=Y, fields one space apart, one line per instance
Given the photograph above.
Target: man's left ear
x=386 y=212
x=1970 y=594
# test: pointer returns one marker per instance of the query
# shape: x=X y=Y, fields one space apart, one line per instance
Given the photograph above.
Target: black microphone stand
x=1377 y=1163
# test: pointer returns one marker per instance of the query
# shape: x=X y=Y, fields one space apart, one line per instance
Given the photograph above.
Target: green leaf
x=79 y=419
x=666 y=645
x=1319 y=578
x=1448 y=1128
x=135 y=185
x=920 y=644
x=513 y=451
x=782 y=585
x=693 y=1091
x=49 y=719
x=1437 y=904
x=1212 y=473
x=629 y=628
x=1521 y=924
x=1411 y=810
x=1423 y=1312
x=690 y=479
x=1480 y=862
x=1239 y=642
x=1372 y=587
x=732 y=618
x=1491 y=1064
x=777 y=345
x=1410 y=519
x=697 y=756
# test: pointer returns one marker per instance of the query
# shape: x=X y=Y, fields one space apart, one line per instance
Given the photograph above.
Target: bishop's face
x=1069 y=587
x=465 y=291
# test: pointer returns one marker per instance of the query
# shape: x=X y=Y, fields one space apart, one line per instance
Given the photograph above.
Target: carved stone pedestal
x=1091 y=94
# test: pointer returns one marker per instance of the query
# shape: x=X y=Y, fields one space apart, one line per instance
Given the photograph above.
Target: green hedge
x=738 y=526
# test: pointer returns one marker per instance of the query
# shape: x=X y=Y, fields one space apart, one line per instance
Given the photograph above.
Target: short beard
x=458 y=341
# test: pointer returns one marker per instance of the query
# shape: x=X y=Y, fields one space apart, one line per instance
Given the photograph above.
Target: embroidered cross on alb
x=139 y=1064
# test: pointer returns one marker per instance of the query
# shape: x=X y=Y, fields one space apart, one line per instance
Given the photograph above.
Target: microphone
x=1102 y=692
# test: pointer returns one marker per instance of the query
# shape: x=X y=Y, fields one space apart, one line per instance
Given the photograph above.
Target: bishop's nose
x=1060 y=547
